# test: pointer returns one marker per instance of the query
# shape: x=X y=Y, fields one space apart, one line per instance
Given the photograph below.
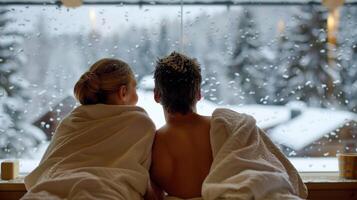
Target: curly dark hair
x=178 y=80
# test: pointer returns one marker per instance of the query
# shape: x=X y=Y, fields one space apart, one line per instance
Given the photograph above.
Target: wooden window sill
x=320 y=185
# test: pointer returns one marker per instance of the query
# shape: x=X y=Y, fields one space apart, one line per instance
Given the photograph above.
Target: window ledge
x=13 y=185
x=313 y=181
x=327 y=180
x=321 y=186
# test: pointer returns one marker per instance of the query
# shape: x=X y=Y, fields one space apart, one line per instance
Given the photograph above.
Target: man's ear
x=122 y=93
x=157 y=96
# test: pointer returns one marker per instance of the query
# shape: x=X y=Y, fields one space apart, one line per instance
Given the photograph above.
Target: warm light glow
x=332 y=25
x=281 y=27
x=332 y=4
x=333 y=18
x=93 y=18
x=330 y=21
x=72 y=3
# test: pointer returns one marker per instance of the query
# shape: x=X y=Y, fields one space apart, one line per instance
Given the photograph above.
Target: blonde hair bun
x=103 y=78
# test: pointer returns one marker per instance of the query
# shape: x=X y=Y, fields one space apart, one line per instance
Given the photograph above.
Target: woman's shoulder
x=141 y=114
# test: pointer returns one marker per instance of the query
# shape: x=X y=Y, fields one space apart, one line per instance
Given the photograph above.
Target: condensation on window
x=294 y=68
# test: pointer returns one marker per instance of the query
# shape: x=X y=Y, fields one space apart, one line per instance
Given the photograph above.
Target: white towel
x=98 y=152
x=246 y=164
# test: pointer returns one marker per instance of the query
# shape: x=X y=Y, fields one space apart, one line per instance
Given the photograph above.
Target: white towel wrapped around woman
x=98 y=152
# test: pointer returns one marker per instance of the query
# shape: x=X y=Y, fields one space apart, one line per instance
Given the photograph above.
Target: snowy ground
x=315 y=164
x=266 y=116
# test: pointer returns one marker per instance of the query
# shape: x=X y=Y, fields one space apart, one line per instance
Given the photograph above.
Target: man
x=182 y=152
x=225 y=156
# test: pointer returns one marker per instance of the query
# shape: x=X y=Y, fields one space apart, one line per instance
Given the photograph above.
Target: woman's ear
x=198 y=95
x=157 y=96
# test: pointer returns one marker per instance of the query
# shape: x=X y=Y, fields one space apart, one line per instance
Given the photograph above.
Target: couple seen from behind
x=109 y=148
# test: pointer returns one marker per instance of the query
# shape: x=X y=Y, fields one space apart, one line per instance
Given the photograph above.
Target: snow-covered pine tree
x=145 y=54
x=163 y=42
x=308 y=75
x=246 y=68
x=211 y=62
x=277 y=78
x=275 y=73
x=17 y=137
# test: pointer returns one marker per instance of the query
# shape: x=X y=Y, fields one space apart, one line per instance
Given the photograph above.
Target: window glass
x=292 y=67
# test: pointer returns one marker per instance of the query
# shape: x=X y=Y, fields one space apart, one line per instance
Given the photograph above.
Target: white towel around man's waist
x=98 y=152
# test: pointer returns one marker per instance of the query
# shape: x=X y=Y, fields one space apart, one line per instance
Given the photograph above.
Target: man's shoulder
x=161 y=133
x=160 y=154
x=160 y=137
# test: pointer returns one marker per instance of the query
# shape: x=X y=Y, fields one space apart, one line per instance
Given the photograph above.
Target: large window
x=292 y=65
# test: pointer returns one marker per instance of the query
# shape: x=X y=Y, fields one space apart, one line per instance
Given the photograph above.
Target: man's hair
x=178 y=80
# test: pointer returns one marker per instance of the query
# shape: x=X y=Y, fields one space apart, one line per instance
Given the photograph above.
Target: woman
x=102 y=149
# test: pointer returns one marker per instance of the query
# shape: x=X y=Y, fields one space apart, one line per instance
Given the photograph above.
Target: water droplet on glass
x=213 y=98
x=292 y=153
x=42 y=92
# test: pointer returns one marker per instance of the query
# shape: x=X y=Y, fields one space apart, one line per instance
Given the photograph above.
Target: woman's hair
x=104 y=77
x=178 y=80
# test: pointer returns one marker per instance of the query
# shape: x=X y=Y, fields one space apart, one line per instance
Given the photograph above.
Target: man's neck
x=178 y=117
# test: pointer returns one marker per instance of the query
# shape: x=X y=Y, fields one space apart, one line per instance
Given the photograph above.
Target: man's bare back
x=182 y=155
